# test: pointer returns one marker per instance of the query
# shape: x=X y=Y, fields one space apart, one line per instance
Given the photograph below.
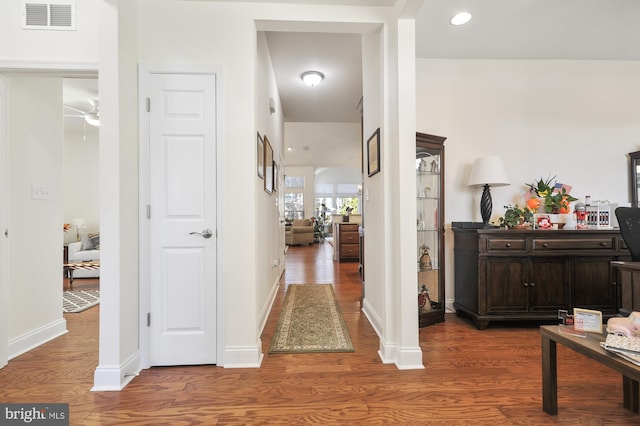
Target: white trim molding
x=37 y=337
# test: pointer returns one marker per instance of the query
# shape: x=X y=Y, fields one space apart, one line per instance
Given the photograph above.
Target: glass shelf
x=429 y=208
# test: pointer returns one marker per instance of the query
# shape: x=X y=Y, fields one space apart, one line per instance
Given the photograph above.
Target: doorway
x=181 y=324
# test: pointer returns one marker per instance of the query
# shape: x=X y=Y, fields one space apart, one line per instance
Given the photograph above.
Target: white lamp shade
x=488 y=171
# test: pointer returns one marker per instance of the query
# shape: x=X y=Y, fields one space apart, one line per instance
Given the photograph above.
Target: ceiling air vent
x=52 y=15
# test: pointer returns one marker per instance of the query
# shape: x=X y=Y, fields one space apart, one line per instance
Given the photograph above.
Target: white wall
x=574 y=119
x=340 y=144
x=35 y=225
x=222 y=36
x=49 y=49
x=81 y=180
x=270 y=207
x=66 y=53
x=375 y=239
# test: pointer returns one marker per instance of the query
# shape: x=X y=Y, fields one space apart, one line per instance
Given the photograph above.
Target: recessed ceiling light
x=289 y=148
x=312 y=78
x=461 y=18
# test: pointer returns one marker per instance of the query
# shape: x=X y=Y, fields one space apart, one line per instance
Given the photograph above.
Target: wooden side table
x=590 y=347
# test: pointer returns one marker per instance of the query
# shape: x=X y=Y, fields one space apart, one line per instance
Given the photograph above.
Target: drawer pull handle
x=526 y=284
x=603 y=244
x=545 y=245
x=533 y=284
x=508 y=244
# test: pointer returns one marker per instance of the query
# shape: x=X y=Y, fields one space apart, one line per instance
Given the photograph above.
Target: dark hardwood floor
x=489 y=377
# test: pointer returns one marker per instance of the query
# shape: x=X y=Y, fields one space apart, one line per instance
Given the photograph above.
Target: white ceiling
x=500 y=29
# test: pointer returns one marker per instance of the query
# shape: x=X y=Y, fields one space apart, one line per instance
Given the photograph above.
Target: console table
x=590 y=347
x=515 y=275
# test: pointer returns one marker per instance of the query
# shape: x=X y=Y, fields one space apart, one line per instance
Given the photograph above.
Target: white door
x=182 y=168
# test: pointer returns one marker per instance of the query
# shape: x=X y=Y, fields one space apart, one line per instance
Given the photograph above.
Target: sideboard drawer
x=349 y=227
x=349 y=250
x=544 y=244
x=506 y=244
x=349 y=238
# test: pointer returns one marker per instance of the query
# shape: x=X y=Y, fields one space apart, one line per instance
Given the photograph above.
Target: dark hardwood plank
x=488 y=377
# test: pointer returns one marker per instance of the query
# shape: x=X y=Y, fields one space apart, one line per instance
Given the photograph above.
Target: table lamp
x=487 y=172
x=79 y=223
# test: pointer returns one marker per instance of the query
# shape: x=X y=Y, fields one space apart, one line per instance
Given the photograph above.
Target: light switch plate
x=40 y=192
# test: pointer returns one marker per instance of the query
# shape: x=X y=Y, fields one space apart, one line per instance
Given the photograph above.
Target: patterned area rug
x=75 y=301
x=311 y=321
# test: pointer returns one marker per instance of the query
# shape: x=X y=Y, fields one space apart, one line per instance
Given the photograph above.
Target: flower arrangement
x=66 y=227
x=553 y=196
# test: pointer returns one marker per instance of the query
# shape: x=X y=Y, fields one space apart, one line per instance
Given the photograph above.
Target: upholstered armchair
x=300 y=232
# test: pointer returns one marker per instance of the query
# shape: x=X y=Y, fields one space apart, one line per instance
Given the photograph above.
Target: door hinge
x=148 y=211
x=148 y=104
x=6 y=233
x=148 y=319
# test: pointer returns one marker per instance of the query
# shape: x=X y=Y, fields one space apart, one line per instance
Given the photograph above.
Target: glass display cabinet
x=429 y=227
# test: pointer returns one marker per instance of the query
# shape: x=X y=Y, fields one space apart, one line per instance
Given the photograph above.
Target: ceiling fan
x=91 y=117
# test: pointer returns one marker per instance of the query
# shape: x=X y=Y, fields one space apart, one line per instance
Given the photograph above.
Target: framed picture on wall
x=373 y=153
x=275 y=176
x=260 y=156
x=268 y=165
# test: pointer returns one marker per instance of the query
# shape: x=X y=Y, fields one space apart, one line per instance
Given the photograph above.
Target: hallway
x=490 y=377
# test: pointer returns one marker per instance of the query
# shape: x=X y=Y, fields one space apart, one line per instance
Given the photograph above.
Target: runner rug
x=75 y=301
x=311 y=321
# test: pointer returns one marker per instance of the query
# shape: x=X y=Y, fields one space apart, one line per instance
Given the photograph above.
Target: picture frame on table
x=373 y=153
x=260 y=156
x=268 y=165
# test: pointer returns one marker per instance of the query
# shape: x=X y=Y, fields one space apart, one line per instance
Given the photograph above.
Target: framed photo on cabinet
x=373 y=153
x=260 y=156
x=268 y=166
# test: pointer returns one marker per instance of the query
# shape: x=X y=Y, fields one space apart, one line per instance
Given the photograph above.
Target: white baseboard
x=115 y=378
x=243 y=356
x=36 y=337
x=403 y=358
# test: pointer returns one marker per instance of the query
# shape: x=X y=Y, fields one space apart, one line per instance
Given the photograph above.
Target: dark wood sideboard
x=629 y=281
x=520 y=275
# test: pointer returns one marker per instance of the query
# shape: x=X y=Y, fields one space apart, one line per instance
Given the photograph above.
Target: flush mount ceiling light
x=461 y=18
x=312 y=78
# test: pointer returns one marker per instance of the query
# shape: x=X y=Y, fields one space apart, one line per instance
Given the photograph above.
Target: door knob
x=206 y=233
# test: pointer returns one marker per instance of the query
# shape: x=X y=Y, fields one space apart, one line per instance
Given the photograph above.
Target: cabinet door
x=593 y=285
x=548 y=284
x=505 y=285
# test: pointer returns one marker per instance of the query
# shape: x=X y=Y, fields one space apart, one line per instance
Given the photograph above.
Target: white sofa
x=82 y=251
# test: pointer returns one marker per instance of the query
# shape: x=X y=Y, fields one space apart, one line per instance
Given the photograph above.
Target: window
x=293 y=205
x=294 y=182
x=294 y=197
x=337 y=197
x=343 y=202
